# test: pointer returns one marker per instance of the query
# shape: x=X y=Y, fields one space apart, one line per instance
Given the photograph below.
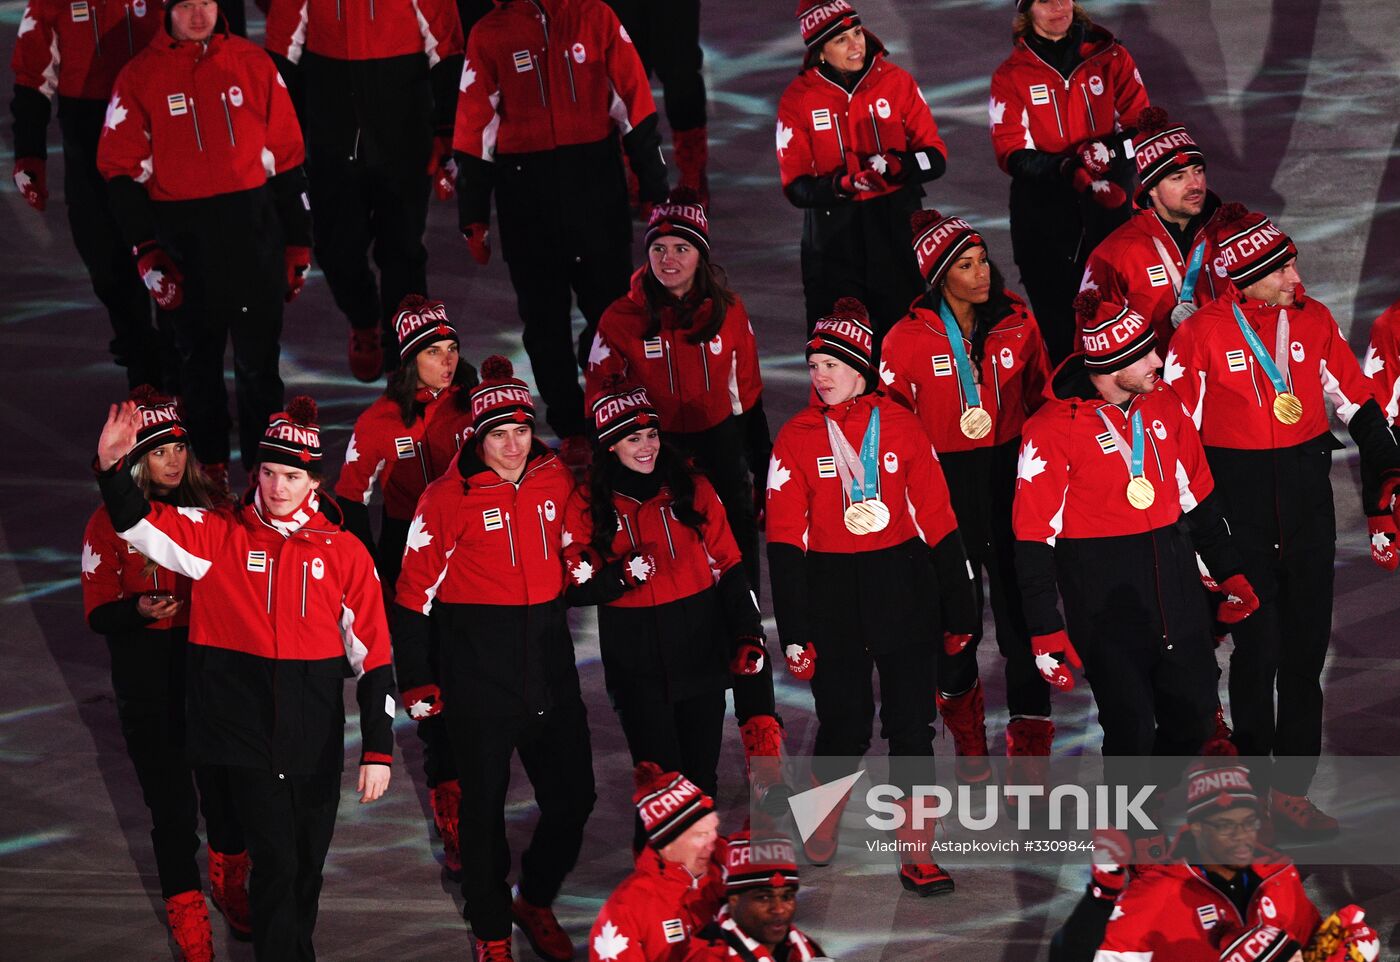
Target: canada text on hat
x=419 y=322
x=939 y=241
x=668 y=803
x=1250 y=246
x=621 y=411
x=822 y=19
x=1114 y=335
x=1218 y=789
x=506 y=395
x=1161 y=148
x=160 y=421
x=844 y=334
x=292 y=436
x=682 y=214
x=750 y=863
x=500 y=398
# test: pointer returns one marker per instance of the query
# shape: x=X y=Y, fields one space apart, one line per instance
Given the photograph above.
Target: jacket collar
x=476 y=474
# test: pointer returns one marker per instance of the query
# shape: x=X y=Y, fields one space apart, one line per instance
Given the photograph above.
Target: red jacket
x=542 y=74
x=114 y=570
x=77 y=48
x=404 y=459
x=191 y=120
x=1140 y=265
x=694 y=386
x=918 y=370
x=1172 y=913
x=1033 y=107
x=717 y=943
x=822 y=129
x=686 y=562
x=651 y=916
x=1071 y=480
x=1228 y=395
x=375 y=30
x=806 y=500
x=480 y=540
x=1382 y=363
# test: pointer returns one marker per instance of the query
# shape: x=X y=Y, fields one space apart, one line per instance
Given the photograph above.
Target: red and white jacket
x=1382 y=363
x=1071 y=480
x=375 y=30
x=1140 y=265
x=807 y=502
x=404 y=459
x=694 y=386
x=686 y=562
x=191 y=120
x=823 y=129
x=76 y=49
x=1033 y=107
x=542 y=74
x=486 y=541
x=918 y=370
x=1171 y=913
x=652 y=914
x=717 y=943
x=1228 y=395
x=114 y=570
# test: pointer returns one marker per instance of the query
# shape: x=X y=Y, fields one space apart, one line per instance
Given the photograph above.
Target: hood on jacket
x=1096 y=40
x=873 y=49
x=1070 y=381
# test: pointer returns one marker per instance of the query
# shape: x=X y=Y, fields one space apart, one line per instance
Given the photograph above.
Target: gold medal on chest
x=1287 y=408
x=1141 y=494
x=976 y=423
x=867 y=517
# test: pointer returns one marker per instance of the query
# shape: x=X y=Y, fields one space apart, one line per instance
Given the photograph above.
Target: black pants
x=290 y=820
x=668 y=41
x=148 y=679
x=363 y=209
x=982 y=484
x=148 y=357
x=230 y=250
x=558 y=759
x=682 y=736
x=545 y=287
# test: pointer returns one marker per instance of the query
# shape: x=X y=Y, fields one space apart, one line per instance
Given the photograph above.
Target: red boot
x=965 y=716
x=763 y=757
x=447 y=803
x=692 y=158
x=492 y=950
x=228 y=887
x=189 y=923
x=821 y=847
x=1028 y=742
x=546 y=936
x=1297 y=816
x=917 y=871
x=366 y=354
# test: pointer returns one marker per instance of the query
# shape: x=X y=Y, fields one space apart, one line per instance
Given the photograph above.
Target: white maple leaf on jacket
x=777 y=475
x=1374 y=363
x=1173 y=370
x=91 y=559
x=784 y=136
x=352 y=453
x=26 y=23
x=1030 y=463
x=599 y=352
x=468 y=75
x=996 y=110
x=116 y=113
x=609 y=943
x=418 y=536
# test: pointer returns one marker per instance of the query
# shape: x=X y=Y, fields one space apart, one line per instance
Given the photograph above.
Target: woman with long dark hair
x=970 y=362
x=405 y=440
x=143 y=609
x=643 y=541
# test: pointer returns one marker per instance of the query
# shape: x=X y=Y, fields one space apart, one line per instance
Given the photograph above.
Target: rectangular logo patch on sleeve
x=674 y=930
x=491 y=519
x=523 y=61
x=821 y=119
x=1106 y=442
x=404 y=448
x=1208 y=916
x=826 y=467
x=79 y=11
x=257 y=561
x=1157 y=276
x=177 y=104
x=652 y=349
x=942 y=365
x=1235 y=361
x=1040 y=95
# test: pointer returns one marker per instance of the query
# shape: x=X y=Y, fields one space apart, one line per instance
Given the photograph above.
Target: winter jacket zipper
x=510 y=537
x=1089 y=106
x=339 y=14
x=573 y=91
x=875 y=129
x=704 y=366
x=270 y=562
x=670 y=373
x=228 y=119
x=544 y=535
x=666 y=527
x=423 y=461
x=631 y=536
x=304 y=566
x=539 y=77
x=130 y=40
x=1055 y=101
x=96 y=31
x=194 y=116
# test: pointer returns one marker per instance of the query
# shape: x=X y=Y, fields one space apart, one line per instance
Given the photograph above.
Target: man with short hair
x=1159 y=261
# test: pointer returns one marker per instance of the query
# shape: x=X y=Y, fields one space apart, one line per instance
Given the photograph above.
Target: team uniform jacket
x=279 y=622
x=823 y=129
x=917 y=369
x=1034 y=108
x=673 y=633
x=403 y=459
x=1171 y=913
x=380 y=77
x=1382 y=364
x=114 y=572
x=694 y=386
x=1140 y=265
x=722 y=939
x=652 y=915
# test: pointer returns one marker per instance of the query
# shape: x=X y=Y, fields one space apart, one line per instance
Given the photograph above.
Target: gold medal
x=976 y=423
x=1287 y=408
x=1141 y=494
x=867 y=517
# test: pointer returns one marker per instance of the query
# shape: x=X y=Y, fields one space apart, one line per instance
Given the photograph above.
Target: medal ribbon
x=1134 y=459
x=860 y=475
x=1262 y=356
x=955 y=342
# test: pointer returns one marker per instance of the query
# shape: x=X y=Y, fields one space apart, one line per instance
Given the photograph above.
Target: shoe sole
x=535 y=946
x=927 y=889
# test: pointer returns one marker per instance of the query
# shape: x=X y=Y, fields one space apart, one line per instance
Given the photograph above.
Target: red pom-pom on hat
x=496 y=368
x=850 y=306
x=648 y=777
x=302 y=409
x=1230 y=214
x=1152 y=120
x=1086 y=305
x=412 y=302
x=683 y=195
x=922 y=220
x=147 y=394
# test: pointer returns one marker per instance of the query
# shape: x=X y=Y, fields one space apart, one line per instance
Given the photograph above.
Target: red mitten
x=887 y=165
x=1094 y=156
x=1383 y=535
x=160 y=275
x=478 y=242
x=1105 y=193
x=1113 y=853
x=298 y=261
x=637 y=569
x=952 y=644
x=32 y=180
x=422 y=702
x=748 y=656
x=1053 y=653
x=801 y=662
x=862 y=181
x=442 y=168
x=1240 y=600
